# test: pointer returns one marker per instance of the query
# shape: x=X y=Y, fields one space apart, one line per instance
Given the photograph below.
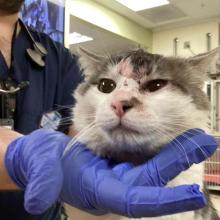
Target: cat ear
x=206 y=61
x=90 y=55
x=89 y=61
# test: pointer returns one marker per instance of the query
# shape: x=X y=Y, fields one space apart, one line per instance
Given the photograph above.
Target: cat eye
x=106 y=85
x=155 y=85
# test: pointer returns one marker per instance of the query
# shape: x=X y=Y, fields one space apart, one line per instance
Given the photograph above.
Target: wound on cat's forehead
x=126 y=69
x=137 y=64
x=143 y=62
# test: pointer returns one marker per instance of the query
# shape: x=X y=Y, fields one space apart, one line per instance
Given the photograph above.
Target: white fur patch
x=161 y=116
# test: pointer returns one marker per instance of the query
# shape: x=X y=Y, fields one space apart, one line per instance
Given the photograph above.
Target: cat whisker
x=63 y=124
x=81 y=116
x=67 y=118
x=65 y=106
x=178 y=144
x=71 y=118
x=85 y=129
x=77 y=137
x=186 y=128
x=192 y=141
x=188 y=138
x=89 y=128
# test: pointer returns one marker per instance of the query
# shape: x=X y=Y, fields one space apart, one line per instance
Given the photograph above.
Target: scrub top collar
x=4 y=67
x=5 y=70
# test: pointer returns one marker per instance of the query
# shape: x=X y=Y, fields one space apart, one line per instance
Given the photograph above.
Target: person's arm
x=6 y=137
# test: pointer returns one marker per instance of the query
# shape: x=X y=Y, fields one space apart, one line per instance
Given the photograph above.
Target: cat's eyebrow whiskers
x=111 y=61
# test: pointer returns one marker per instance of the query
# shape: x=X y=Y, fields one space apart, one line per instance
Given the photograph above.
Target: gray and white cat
x=130 y=105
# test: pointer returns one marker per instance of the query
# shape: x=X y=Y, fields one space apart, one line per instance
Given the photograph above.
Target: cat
x=130 y=105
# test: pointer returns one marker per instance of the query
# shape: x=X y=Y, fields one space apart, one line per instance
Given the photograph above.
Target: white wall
x=105 y=18
x=196 y=34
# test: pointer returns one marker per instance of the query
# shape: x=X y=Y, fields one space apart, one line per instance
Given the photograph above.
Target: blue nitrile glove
x=95 y=185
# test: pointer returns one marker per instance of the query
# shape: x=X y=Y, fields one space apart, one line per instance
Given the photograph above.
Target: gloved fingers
x=34 y=163
x=143 y=201
x=44 y=185
x=194 y=145
x=164 y=201
x=176 y=157
x=122 y=168
x=206 y=144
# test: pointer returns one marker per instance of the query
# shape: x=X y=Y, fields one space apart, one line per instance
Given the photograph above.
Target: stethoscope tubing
x=2 y=91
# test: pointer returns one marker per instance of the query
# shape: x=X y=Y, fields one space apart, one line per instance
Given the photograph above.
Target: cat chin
x=123 y=147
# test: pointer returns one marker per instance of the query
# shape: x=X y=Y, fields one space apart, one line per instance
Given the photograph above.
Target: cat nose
x=121 y=107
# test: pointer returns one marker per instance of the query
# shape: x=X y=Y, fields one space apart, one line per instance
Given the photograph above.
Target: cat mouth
x=121 y=128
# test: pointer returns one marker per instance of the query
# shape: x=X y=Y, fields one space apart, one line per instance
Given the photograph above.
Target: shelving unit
x=212 y=170
x=212 y=165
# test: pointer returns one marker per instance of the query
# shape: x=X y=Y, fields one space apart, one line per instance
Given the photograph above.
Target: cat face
x=139 y=101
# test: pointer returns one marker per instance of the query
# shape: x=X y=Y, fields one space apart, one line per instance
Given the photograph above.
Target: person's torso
x=41 y=96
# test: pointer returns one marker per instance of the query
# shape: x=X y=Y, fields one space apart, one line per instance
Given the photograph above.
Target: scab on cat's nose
x=121 y=107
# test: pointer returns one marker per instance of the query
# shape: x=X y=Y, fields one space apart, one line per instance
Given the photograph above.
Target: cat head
x=137 y=101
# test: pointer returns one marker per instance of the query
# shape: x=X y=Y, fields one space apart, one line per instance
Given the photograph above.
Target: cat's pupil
x=106 y=85
x=156 y=85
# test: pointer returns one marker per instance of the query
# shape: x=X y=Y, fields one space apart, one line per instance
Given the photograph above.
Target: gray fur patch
x=208 y=212
x=180 y=72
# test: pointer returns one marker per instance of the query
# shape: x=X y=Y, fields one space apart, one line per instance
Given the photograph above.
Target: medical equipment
x=36 y=55
x=7 y=110
x=38 y=52
x=12 y=90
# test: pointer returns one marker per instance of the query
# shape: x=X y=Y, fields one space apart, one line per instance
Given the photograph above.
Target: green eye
x=155 y=85
x=106 y=85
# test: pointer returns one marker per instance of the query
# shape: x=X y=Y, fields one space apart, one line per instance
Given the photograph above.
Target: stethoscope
x=36 y=55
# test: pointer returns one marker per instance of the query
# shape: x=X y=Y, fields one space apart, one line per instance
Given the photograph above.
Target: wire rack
x=212 y=170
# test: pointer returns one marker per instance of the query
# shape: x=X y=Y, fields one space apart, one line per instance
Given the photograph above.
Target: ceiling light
x=76 y=38
x=138 y=5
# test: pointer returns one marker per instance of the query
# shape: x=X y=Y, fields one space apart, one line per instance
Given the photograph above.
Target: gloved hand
x=96 y=185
